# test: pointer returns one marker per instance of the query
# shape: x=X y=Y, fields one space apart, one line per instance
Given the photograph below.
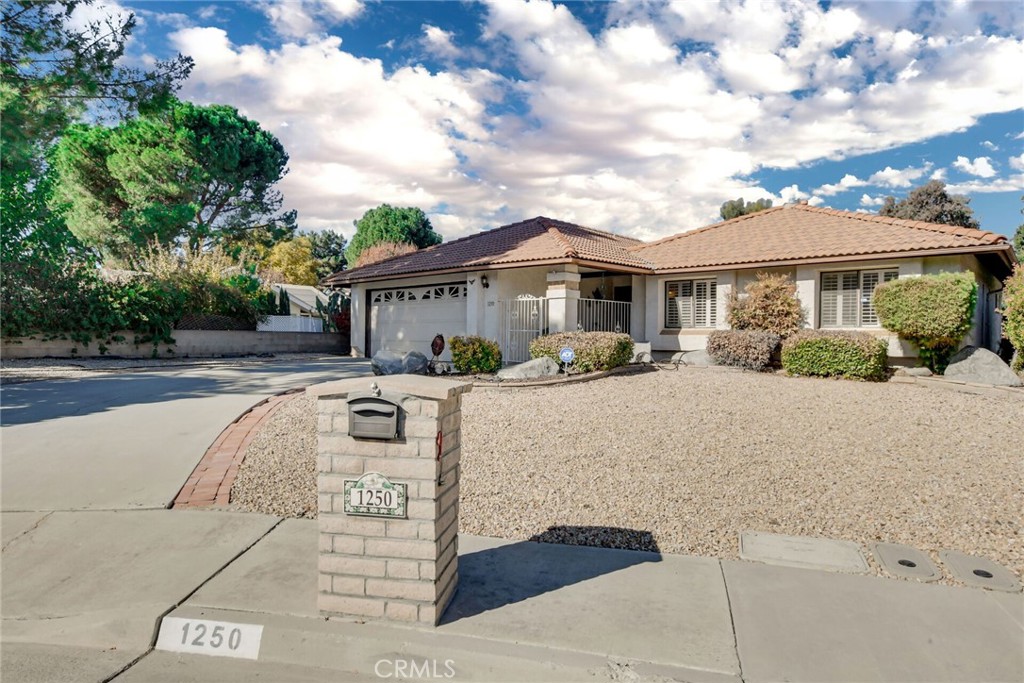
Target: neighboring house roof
x=793 y=233
x=534 y=241
x=303 y=296
x=802 y=233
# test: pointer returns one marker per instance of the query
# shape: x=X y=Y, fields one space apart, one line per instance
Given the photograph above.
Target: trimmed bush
x=475 y=354
x=932 y=311
x=770 y=304
x=594 y=350
x=751 y=349
x=828 y=353
x=1013 y=315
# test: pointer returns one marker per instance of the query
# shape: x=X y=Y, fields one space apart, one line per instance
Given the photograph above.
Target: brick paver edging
x=211 y=480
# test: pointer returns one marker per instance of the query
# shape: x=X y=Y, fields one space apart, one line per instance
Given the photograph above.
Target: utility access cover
x=802 y=551
x=977 y=571
x=906 y=562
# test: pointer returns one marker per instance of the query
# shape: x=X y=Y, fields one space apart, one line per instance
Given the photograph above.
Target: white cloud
x=868 y=200
x=619 y=128
x=988 y=144
x=903 y=177
x=1014 y=183
x=1017 y=162
x=847 y=182
x=981 y=166
x=438 y=42
x=302 y=18
x=938 y=174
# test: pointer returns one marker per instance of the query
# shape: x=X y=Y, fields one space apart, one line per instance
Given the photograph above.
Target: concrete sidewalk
x=85 y=592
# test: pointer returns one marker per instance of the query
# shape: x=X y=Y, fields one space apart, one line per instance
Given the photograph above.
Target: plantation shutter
x=706 y=308
x=684 y=303
x=671 y=312
x=830 y=300
x=848 y=299
x=868 y=282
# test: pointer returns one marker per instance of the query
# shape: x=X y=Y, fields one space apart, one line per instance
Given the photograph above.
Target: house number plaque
x=375 y=495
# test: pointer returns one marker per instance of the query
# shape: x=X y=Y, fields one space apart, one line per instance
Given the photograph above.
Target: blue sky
x=635 y=117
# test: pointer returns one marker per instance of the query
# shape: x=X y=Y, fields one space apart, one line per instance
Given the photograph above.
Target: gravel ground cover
x=686 y=460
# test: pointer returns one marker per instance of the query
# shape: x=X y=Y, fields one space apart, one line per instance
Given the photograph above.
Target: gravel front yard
x=696 y=456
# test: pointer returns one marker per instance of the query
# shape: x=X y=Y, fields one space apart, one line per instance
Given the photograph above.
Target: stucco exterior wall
x=985 y=332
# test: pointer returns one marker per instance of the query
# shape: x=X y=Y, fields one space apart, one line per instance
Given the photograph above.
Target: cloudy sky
x=635 y=117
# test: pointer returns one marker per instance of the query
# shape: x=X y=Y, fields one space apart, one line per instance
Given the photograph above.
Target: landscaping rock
x=698 y=359
x=913 y=372
x=531 y=369
x=971 y=364
x=386 y=363
x=414 y=363
x=390 y=363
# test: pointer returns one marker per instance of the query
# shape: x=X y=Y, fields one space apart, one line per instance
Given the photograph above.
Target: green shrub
x=594 y=350
x=932 y=311
x=828 y=353
x=751 y=349
x=770 y=304
x=475 y=354
x=1013 y=314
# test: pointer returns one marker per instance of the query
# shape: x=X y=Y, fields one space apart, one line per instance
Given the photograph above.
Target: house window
x=691 y=303
x=846 y=297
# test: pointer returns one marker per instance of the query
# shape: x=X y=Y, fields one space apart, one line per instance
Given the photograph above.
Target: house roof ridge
x=567 y=249
x=602 y=233
x=943 y=228
x=708 y=228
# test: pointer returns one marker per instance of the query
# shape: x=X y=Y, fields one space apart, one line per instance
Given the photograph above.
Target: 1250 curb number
x=217 y=638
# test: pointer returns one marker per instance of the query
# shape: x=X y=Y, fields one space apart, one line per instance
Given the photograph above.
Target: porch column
x=563 y=296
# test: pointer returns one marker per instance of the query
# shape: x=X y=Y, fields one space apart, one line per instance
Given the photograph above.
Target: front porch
x=574 y=298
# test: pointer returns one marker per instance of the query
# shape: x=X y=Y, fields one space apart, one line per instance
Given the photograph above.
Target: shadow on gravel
x=493 y=578
x=47 y=400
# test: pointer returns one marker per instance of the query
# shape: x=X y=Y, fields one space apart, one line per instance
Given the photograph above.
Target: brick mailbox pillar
x=388 y=486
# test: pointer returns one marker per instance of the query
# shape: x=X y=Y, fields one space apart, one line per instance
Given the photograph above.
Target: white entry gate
x=522 y=319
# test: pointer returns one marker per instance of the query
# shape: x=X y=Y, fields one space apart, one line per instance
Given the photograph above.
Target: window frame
x=861 y=308
x=710 y=303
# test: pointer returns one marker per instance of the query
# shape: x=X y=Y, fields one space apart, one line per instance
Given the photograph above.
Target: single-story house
x=542 y=275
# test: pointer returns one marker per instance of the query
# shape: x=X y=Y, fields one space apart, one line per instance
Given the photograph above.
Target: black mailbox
x=373 y=416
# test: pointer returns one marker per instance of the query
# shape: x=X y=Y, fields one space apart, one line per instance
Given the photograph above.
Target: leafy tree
x=51 y=70
x=1013 y=315
x=293 y=259
x=932 y=204
x=382 y=251
x=328 y=251
x=205 y=175
x=391 y=224
x=737 y=207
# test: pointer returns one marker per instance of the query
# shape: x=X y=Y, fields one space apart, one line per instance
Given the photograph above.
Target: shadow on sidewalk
x=507 y=574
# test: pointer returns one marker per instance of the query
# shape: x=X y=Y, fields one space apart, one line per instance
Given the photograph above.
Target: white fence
x=522 y=320
x=600 y=315
x=290 y=323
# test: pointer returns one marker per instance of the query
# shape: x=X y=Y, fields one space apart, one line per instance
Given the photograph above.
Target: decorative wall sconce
x=484 y=282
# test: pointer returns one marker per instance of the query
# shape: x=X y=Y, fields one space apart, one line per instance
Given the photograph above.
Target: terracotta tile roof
x=798 y=232
x=794 y=232
x=537 y=239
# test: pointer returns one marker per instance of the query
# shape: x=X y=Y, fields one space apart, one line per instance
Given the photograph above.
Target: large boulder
x=531 y=369
x=414 y=363
x=971 y=364
x=390 y=363
x=697 y=359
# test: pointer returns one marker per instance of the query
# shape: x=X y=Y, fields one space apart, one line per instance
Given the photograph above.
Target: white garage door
x=407 y=318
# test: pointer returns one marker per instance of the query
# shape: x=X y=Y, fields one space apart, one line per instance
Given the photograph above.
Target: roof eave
x=852 y=258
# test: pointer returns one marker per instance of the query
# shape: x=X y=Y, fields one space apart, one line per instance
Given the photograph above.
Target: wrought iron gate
x=522 y=319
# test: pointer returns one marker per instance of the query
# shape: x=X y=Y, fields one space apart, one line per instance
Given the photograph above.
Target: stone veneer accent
x=392 y=569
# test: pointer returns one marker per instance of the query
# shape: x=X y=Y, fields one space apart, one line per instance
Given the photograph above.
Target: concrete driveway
x=130 y=440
